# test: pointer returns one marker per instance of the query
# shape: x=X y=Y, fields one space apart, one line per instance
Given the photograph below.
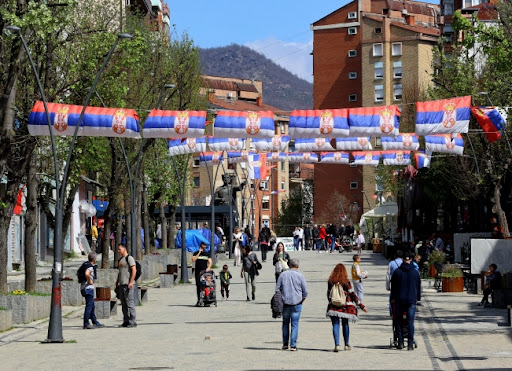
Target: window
x=196 y=162
x=378 y=142
x=397 y=70
x=282 y=185
x=354 y=185
x=282 y=166
x=197 y=180
x=352 y=98
x=265 y=204
x=379 y=70
x=352 y=15
x=352 y=164
x=448 y=9
x=377 y=50
x=352 y=53
x=352 y=30
x=378 y=30
x=397 y=91
x=379 y=93
x=352 y=75
x=264 y=185
x=396 y=49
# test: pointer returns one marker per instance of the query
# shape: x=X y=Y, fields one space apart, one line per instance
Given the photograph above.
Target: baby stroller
x=207 y=295
x=346 y=244
x=393 y=342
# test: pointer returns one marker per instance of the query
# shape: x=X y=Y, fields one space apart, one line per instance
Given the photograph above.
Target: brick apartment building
x=368 y=53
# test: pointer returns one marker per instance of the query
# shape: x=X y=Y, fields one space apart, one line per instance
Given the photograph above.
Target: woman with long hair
x=346 y=312
x=238 y=238
x=280 y=256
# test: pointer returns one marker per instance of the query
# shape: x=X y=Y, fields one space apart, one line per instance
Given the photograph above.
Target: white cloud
x=293 y=56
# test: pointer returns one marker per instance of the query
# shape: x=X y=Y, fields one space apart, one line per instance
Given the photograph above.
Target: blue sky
x=279 y=29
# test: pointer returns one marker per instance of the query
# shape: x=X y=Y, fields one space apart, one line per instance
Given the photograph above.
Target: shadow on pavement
x=463 y=358
x=281 y=350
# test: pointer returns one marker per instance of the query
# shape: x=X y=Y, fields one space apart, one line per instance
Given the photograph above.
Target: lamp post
x=55 y=325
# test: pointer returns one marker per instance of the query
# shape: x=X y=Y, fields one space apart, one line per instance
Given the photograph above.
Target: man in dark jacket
x=405 y=293
x=492 y=281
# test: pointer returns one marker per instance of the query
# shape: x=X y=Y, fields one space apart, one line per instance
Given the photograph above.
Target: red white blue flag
x=334 y=157
x=236 y=157
x=444 y=143
x=226 y=144
x=492 y=120
x=366 y=157
x=353 y=144
x=422 y=160
x=374 y=121
x=403 y=141
x=445 y=116
x=96 y=122
x=210 y=158
x=186 y=145
x=396 y=157
x=174 y=124
x=319 y=123
x=276 y=143
x=244 y=124
x=313 y=144
x=276 y=157
x=302 y=158
x=258 y=166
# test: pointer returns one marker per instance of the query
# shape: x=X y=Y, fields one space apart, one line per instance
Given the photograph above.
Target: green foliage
x=451 y=271
x=290 y=214
x=436 y=257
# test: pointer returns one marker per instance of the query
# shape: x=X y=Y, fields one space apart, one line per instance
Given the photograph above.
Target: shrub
x=451 y=271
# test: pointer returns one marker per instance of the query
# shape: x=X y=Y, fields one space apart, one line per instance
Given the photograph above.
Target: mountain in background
x=281 y=88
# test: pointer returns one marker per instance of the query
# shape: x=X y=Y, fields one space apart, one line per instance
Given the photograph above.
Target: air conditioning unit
x=405 y=12
x=230 y=95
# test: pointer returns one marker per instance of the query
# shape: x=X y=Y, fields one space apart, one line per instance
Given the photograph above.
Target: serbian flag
x=366 y=157
x=396 y=157
x=302 y=158
x=244 y=124
x=334 y=158
x=374 y=121
x=492 y=120
x=226 y=144
x=276 y=157
x=403 y=141
x=353 y=143
x=174 y=124
x=313 y=144
x=443 y=116
x=278 y=191
x=235 y=157
x=210 y=158
x=183 y=146
x=276 y=143
x=96 y=122
x=319 y=123
x=258 y=166
x=444 y=143
x=422 y=160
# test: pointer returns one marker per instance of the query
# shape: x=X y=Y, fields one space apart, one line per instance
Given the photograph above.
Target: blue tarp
x=194 y=238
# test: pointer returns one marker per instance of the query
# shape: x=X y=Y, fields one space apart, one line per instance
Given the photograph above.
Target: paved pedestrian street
x=452 y=333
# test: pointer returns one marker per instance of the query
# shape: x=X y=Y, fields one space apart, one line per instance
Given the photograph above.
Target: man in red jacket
x=322 y=237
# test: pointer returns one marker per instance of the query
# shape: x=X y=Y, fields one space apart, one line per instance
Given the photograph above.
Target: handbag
x=258 y=265
x=284 y=264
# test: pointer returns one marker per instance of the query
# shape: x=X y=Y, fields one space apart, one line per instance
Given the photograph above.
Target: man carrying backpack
x=125 y=286
x=86 y=276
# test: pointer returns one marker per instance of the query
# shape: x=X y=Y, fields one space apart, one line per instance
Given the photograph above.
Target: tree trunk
x=172 y=226
x=502 y=218
x=163 y=222
x=119 y=233
x=148 y=231
x=30 y=229
x=138 y=227
x=128 y=223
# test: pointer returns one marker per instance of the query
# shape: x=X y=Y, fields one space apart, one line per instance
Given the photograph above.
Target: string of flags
x=321 y=136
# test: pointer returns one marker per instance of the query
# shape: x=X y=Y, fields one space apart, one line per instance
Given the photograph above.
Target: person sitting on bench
x=492 y=282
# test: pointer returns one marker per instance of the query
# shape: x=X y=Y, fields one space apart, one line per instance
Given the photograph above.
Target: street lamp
x=55 y=325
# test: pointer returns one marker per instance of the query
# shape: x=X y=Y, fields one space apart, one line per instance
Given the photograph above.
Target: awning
x=389 y=208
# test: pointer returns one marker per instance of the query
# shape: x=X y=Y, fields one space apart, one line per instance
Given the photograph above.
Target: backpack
x=337 y=295
x=137 y=266
x=81 y=271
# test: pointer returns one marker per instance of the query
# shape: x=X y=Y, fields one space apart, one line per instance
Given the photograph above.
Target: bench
x=501 y=298
x=509 y=315
x=143 y=294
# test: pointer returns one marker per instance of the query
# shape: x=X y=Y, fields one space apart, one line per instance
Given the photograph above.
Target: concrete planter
x=5 y=320
x=26 y=308
x=107 y=278
x=70 y=291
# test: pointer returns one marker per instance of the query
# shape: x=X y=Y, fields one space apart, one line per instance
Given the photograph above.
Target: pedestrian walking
x=264 y=238
x=125 y=286
x=339 y=281
x=203 y=263
x=225 y=280
x=360 y=242
x=393 y=265
x=94 y=236
x=238 y=239
x=316 y=238
x=280 y=260
x=293 y=288
x=86 y=275
x=322 y=237
x=405 y=293
x=307 y=237
x=249 y=271
x=358 y=276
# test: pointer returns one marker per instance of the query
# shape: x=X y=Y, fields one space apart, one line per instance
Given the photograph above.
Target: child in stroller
x=207 y=295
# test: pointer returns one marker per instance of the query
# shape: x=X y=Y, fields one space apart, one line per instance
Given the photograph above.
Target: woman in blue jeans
x=345 y=312
x=87 y=291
